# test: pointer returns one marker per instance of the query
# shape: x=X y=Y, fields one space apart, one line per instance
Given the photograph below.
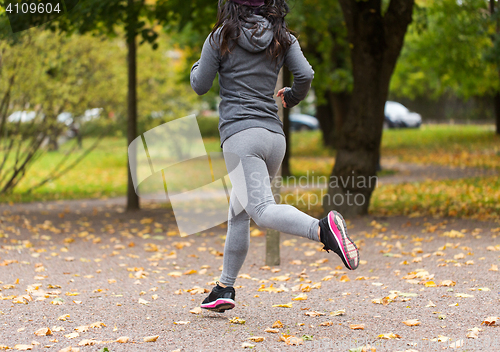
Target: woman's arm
x=303 y=74
x=204 y=70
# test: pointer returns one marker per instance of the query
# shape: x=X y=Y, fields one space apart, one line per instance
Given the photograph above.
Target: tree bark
x=497 y=111
x=376 y=42
x=496 y=98
x=273 y=236
x=324 y=114
x=285 y=166
x=340 y=103
x=132 y=197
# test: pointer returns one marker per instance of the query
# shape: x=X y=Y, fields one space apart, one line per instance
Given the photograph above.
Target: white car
x=397 y=115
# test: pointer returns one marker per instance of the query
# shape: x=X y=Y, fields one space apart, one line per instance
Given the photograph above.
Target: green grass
x=103 y=172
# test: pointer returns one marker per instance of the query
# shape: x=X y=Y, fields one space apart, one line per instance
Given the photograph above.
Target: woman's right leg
x=237 y=242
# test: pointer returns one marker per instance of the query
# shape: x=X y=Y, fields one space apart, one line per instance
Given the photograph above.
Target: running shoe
x=334 y=237
x=220 y=299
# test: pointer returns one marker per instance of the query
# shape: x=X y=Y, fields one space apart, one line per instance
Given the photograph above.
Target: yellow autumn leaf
x=300 y=297
x=43 y=332
x=123 y=339
x=411 y=322
x=237 y=320
x=337 y=312
x=490 y=321
x=277 y=324
x=72 y=335
x=389 y=336
x=271 y=288
x=87 y=342
x=151 y=338
x=195 y=310
x=314 y=313
x=344 y=278
x=357 y=326
x=257 y=338
x=286 y=305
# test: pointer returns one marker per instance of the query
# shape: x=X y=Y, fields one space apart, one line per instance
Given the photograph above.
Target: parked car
x=397 y=115
x=303 y=122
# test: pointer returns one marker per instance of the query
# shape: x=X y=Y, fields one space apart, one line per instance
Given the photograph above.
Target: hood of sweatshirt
x=259 y=41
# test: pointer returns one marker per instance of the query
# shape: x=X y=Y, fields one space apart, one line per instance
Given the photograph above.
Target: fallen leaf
x=430 y=304
x=143 y=301
x=72 y=335
x=474 y=333
x=344 y=278
x=286 y=305
x=151 y=338
x=314 y=314
x=23 y=347
x=490 y=321
x=300 y=297
x=326 y=323
x=247 y=345
x=181 y=322
x=195 y=310
x=237 y=320
x=43 y=332
x=97 y=325
x=277 y=324
x=357 y=326
x=337 y=312
x=389 y=336
x=291 y=340
x=447 y=283
x=463 y=295
x=87 y=342
x=411 y=322
x=272 y=331
x=256 y=338
x=123 y=339
x=494 y=267
x=270 y=289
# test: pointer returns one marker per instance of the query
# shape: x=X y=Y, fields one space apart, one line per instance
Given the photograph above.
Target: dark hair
x=230 y=16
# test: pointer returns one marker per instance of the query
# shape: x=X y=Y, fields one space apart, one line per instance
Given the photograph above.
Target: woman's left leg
x=260 y=153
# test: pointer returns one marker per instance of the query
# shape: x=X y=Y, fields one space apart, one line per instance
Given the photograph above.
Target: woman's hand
x=281 y=93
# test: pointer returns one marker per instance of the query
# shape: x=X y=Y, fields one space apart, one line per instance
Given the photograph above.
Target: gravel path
x=79 y=264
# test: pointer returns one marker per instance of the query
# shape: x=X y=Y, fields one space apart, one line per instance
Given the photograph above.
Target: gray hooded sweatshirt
x=247 y=79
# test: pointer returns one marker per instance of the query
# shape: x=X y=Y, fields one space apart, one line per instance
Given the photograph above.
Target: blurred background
x=77 y=89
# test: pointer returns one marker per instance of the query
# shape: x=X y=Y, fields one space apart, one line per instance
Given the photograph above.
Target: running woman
x=247 y=47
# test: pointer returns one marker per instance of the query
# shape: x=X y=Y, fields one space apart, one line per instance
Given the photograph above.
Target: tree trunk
x=497 y=111
x=496 y=98
x=273 y=236
x=340 y=104
x=285 y=166
x=324 y=114
x=132 y=197
x=376 y=42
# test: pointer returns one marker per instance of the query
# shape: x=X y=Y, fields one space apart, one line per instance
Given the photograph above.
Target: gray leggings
x=260 y=152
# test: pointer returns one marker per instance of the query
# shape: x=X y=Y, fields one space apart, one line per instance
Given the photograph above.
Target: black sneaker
x=334 y=237
x=220 y=299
